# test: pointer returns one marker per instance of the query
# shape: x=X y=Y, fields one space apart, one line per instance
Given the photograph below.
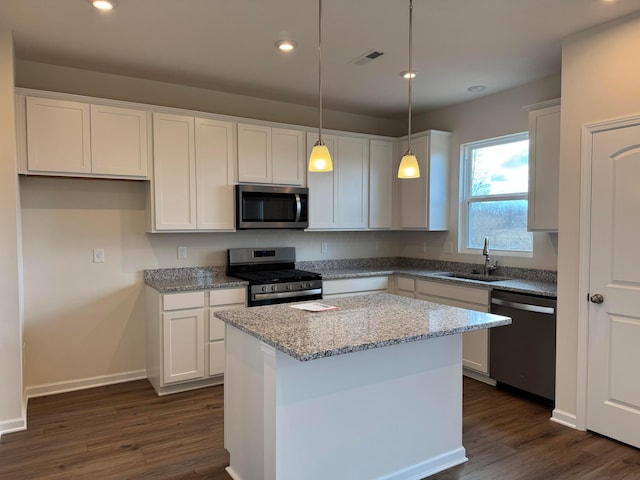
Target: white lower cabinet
x=475 y=345
x=185 y=342
x=347 y=287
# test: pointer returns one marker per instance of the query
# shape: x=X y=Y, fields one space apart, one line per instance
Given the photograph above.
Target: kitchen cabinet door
x=58 y=136
x=174 y=173
x=323 y=194
x=119 y=141
x=287 y=156
x=424 y=202
x=183 y=345
x=381 y=177
x=215 y=174
x=254 y=154
x=352 y=186
x=544 y=165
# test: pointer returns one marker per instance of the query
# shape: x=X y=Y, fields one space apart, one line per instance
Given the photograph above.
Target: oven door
x=264 y=206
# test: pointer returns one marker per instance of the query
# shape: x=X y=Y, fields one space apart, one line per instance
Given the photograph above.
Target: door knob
x=597 y=298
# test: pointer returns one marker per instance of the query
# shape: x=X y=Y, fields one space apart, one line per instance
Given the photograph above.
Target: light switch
x=324 y=247
x=182 y=253
x=98 y=255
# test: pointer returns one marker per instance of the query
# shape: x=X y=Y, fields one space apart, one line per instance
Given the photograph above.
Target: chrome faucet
x=487 y=260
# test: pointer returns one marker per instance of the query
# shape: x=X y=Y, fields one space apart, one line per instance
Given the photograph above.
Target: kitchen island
x=370 y=390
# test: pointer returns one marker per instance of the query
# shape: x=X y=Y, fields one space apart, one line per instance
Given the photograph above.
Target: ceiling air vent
x=367 y=57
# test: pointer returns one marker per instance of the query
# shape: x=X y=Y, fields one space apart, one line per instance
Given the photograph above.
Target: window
x=495 y=184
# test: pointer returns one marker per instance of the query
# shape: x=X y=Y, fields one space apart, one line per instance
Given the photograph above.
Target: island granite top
x=359 y=323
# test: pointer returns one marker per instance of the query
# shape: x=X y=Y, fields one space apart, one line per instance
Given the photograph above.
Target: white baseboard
x=565 y=418
x=481 y=377
x=430 y=467
x=13 y=425
x=84 y=383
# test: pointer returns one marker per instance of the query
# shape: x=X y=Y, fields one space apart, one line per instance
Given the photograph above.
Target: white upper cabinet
x=119 y=141
x=58 y=136
x=339 y=200
x=270 y=155
x=80 y=139
x=352 y=169
x=544 y=164
x=381 y=176
x=174 y=172
x=193 y=173
x=423 y=203
x=323 y=192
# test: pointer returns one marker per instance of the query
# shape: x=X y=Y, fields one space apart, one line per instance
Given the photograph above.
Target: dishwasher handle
x=524 y=306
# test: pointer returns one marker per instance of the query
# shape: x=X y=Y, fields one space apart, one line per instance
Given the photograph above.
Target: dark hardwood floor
x=126 y=432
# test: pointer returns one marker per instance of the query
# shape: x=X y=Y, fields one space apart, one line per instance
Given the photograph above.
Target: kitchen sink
x=478 y=277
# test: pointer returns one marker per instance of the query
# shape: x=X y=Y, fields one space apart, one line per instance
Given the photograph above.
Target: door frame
x=586 y=161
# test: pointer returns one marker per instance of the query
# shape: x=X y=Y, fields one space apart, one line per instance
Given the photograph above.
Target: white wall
x=84 y=319
x=11 y=396
x=600 y=81
x=487 y=117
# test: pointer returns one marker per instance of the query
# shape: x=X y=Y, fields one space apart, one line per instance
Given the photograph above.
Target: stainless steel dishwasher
x=523 y=354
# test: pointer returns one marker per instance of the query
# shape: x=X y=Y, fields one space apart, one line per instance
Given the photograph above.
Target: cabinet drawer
x=453 y=302
x=455 y=292
x=406 y=284
x=216 y=358
x=178 y=301
x=216 y=327
x=228 y=296
x=348 y=285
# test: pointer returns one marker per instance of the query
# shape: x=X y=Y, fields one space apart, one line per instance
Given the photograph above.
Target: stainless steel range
x=272 y=275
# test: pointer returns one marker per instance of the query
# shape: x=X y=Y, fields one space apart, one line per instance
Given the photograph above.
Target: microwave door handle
x=298 y=207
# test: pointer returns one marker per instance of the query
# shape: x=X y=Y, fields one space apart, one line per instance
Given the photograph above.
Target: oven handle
x=524 y=306
x=298 y=207
x=298 y=293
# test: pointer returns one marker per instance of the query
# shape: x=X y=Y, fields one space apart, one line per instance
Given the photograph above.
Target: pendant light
x=409 y=164
x=320 y=159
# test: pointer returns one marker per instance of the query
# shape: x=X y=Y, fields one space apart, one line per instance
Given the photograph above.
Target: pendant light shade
x=409 y=164
x=320 y=159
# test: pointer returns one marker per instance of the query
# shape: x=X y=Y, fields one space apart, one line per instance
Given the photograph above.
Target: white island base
x=390 y=413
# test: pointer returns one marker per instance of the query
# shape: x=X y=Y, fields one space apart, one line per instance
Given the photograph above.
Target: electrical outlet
x=98 y=255
x=424 y=247
x=448 y=246
x=324 y=247
x=182 y=253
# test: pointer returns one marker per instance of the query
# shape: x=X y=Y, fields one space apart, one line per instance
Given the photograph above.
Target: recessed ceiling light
x=477 y=88
x=406 y=74
x=104 y=5
x=286 y=45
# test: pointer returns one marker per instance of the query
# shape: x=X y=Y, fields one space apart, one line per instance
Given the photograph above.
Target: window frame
x=466 y=199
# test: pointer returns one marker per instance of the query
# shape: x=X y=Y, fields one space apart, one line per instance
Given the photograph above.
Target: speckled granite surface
x=360 y=323
x=521 y=280
x=167 y=280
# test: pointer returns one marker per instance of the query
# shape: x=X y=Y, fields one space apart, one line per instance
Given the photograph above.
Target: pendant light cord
x=320 y=71
x=410 y=70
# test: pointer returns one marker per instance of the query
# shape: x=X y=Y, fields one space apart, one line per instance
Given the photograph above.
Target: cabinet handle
x=298 y=207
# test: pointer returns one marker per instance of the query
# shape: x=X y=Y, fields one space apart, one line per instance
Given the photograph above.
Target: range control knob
x=289 y=286
x=274 y=288
x=264 y=289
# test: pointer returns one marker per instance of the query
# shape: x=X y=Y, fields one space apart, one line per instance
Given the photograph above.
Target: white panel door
x=174 y=172
x=381 y=184
x=254 y=154
x=287 y=155
x=215 y=175
x=183 y=345
x=613 y=402
x=353 y=183
x=322 y=187
x=58 y=136
x=119 y=141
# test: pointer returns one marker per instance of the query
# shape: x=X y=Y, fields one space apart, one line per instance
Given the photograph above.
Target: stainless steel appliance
x=523 y=354
x=271 y=206
x=272 y=275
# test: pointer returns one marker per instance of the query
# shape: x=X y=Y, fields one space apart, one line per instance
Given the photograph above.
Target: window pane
x=498 y=169
x=504 y=222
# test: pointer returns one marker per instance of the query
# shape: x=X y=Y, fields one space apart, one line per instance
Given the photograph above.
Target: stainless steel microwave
x=271 y=206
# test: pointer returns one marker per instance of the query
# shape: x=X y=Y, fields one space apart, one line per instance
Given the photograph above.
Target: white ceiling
x=228 y=45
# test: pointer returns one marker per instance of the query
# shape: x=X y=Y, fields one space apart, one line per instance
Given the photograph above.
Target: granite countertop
x=530 y=281
x=360 y=323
